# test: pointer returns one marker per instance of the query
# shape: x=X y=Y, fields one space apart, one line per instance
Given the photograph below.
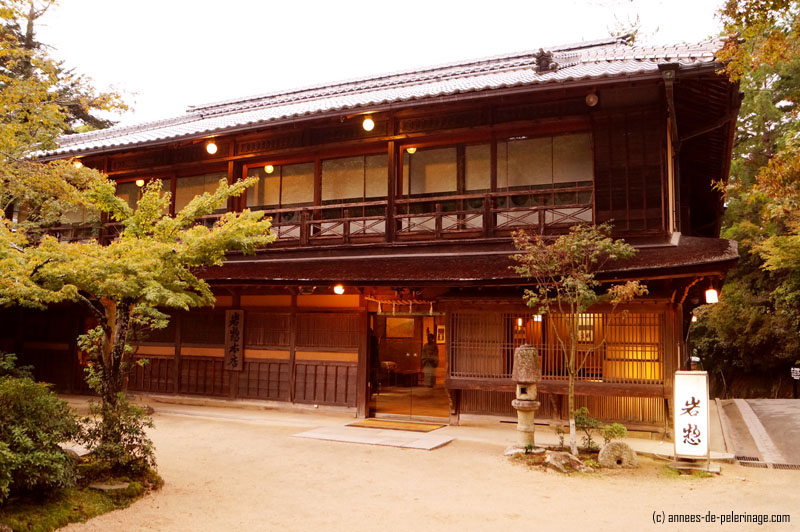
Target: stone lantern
x=527 y=373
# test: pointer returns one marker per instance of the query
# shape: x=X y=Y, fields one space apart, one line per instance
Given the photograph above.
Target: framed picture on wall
x=440 y=334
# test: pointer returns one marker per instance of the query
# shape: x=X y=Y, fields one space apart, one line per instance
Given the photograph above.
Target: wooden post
x=488 y=217
x=392 y=191
x=438 y=221
x=292 y=342
x=176 y=366
x=304 y=227
x=362 y=372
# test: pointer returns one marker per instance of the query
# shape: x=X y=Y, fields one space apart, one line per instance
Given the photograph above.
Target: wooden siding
x=264 y=379
x=629 y=170
x=325 y=383
x=156 y=376
x=321 y=362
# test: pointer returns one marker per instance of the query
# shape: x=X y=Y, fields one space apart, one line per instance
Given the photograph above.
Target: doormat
x=396 y=425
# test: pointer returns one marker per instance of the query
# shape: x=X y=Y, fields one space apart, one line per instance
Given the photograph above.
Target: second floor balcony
x=430 y=218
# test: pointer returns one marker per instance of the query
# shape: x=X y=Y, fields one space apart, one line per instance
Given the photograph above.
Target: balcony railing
x=410 y=219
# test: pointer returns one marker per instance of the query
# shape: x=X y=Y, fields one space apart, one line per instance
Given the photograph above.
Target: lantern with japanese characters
x=691 y=414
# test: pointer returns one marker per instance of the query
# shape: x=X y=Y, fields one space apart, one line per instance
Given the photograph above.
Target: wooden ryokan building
x=413 y=219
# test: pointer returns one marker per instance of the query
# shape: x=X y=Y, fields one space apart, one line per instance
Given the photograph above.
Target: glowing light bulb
x=368 y=124
x=712 y=296
x=338 y=289
x=269 y=169
x=411 y=150
x=537 y=317
x=77 y=164
x=211 y=148
x=140 y=183
x=519 y=322
x=694 y=319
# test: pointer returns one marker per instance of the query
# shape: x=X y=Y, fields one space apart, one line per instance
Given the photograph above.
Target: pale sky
x=165 y=55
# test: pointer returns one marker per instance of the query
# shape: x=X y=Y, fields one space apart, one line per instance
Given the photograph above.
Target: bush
x=117 y=439
x=35 y=421
x=613 y=431
x=587 y=425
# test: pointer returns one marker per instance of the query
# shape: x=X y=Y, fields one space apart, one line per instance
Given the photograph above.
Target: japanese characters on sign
x=795 y=373
x=234 y=340
x=691 y=414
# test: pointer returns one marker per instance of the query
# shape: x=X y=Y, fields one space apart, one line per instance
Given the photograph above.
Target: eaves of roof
x=691 y=256
x=596 y=61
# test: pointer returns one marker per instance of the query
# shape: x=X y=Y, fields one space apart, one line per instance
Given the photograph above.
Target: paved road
x=767 y=429
x=781 y=419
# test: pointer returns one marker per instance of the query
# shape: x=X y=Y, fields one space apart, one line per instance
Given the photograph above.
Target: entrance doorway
x=407 y=366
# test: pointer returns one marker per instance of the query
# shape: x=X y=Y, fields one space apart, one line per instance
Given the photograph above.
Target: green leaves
x=755 y=328
x=564 y=269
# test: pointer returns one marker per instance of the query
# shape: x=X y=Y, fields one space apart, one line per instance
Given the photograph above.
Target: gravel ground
x=238 y=470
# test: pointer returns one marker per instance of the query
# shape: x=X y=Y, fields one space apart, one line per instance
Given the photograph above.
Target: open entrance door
x=407 y=367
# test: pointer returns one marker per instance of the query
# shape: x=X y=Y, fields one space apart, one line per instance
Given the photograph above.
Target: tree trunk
x=113 y=362
x=571 y=370
x=573 y=439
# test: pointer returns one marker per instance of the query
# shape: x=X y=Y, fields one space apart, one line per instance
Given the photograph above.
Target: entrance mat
x=396 y=425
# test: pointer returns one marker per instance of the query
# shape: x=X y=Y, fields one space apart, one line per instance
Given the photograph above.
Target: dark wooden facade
x=643 y=156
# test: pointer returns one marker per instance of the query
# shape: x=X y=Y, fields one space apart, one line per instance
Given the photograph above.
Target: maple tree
x=126 y=283
x=564 y=272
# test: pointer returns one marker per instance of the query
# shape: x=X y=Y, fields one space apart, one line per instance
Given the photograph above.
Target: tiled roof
x=462 y=263
x=609 y=58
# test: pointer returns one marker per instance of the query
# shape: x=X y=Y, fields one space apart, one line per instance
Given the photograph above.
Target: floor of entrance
x=411 y=402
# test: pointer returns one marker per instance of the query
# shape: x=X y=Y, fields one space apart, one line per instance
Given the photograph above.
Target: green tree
x=40 y=100
x=77 y=99
x=150 y=266
x=564 y=272
x=754 y=332
x=152 y=263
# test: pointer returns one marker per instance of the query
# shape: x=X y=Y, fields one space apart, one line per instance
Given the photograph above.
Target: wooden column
x=176 y=366
x=362 y=372
x=392 y=190
x=233 y=376
x=292 y=342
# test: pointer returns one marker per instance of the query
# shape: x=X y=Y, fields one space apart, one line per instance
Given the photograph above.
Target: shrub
x=128 y=450
x=613 y=431
x=35 y=421
x=587 y=425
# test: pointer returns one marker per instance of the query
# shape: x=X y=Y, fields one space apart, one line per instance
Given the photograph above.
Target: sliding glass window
x=447 y=171
x=188 y=187
x=363 y=178
x=543 y=165
x=288 y=186
x=129 y=192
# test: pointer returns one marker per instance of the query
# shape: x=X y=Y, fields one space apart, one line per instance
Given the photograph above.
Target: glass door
x=406 y=372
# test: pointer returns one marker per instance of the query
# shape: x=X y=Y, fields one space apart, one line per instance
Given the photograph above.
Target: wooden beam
x=560 y=387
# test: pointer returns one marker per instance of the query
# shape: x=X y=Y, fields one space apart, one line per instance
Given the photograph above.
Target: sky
x=165 y=55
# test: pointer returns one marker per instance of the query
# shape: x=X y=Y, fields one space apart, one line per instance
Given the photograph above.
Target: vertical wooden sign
x=234 y=340
x=691 y=414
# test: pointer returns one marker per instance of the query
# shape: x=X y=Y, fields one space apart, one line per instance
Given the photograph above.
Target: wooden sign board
x=691 y=415
x=234 y=340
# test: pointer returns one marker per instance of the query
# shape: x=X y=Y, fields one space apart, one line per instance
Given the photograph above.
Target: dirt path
x=243 y=471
